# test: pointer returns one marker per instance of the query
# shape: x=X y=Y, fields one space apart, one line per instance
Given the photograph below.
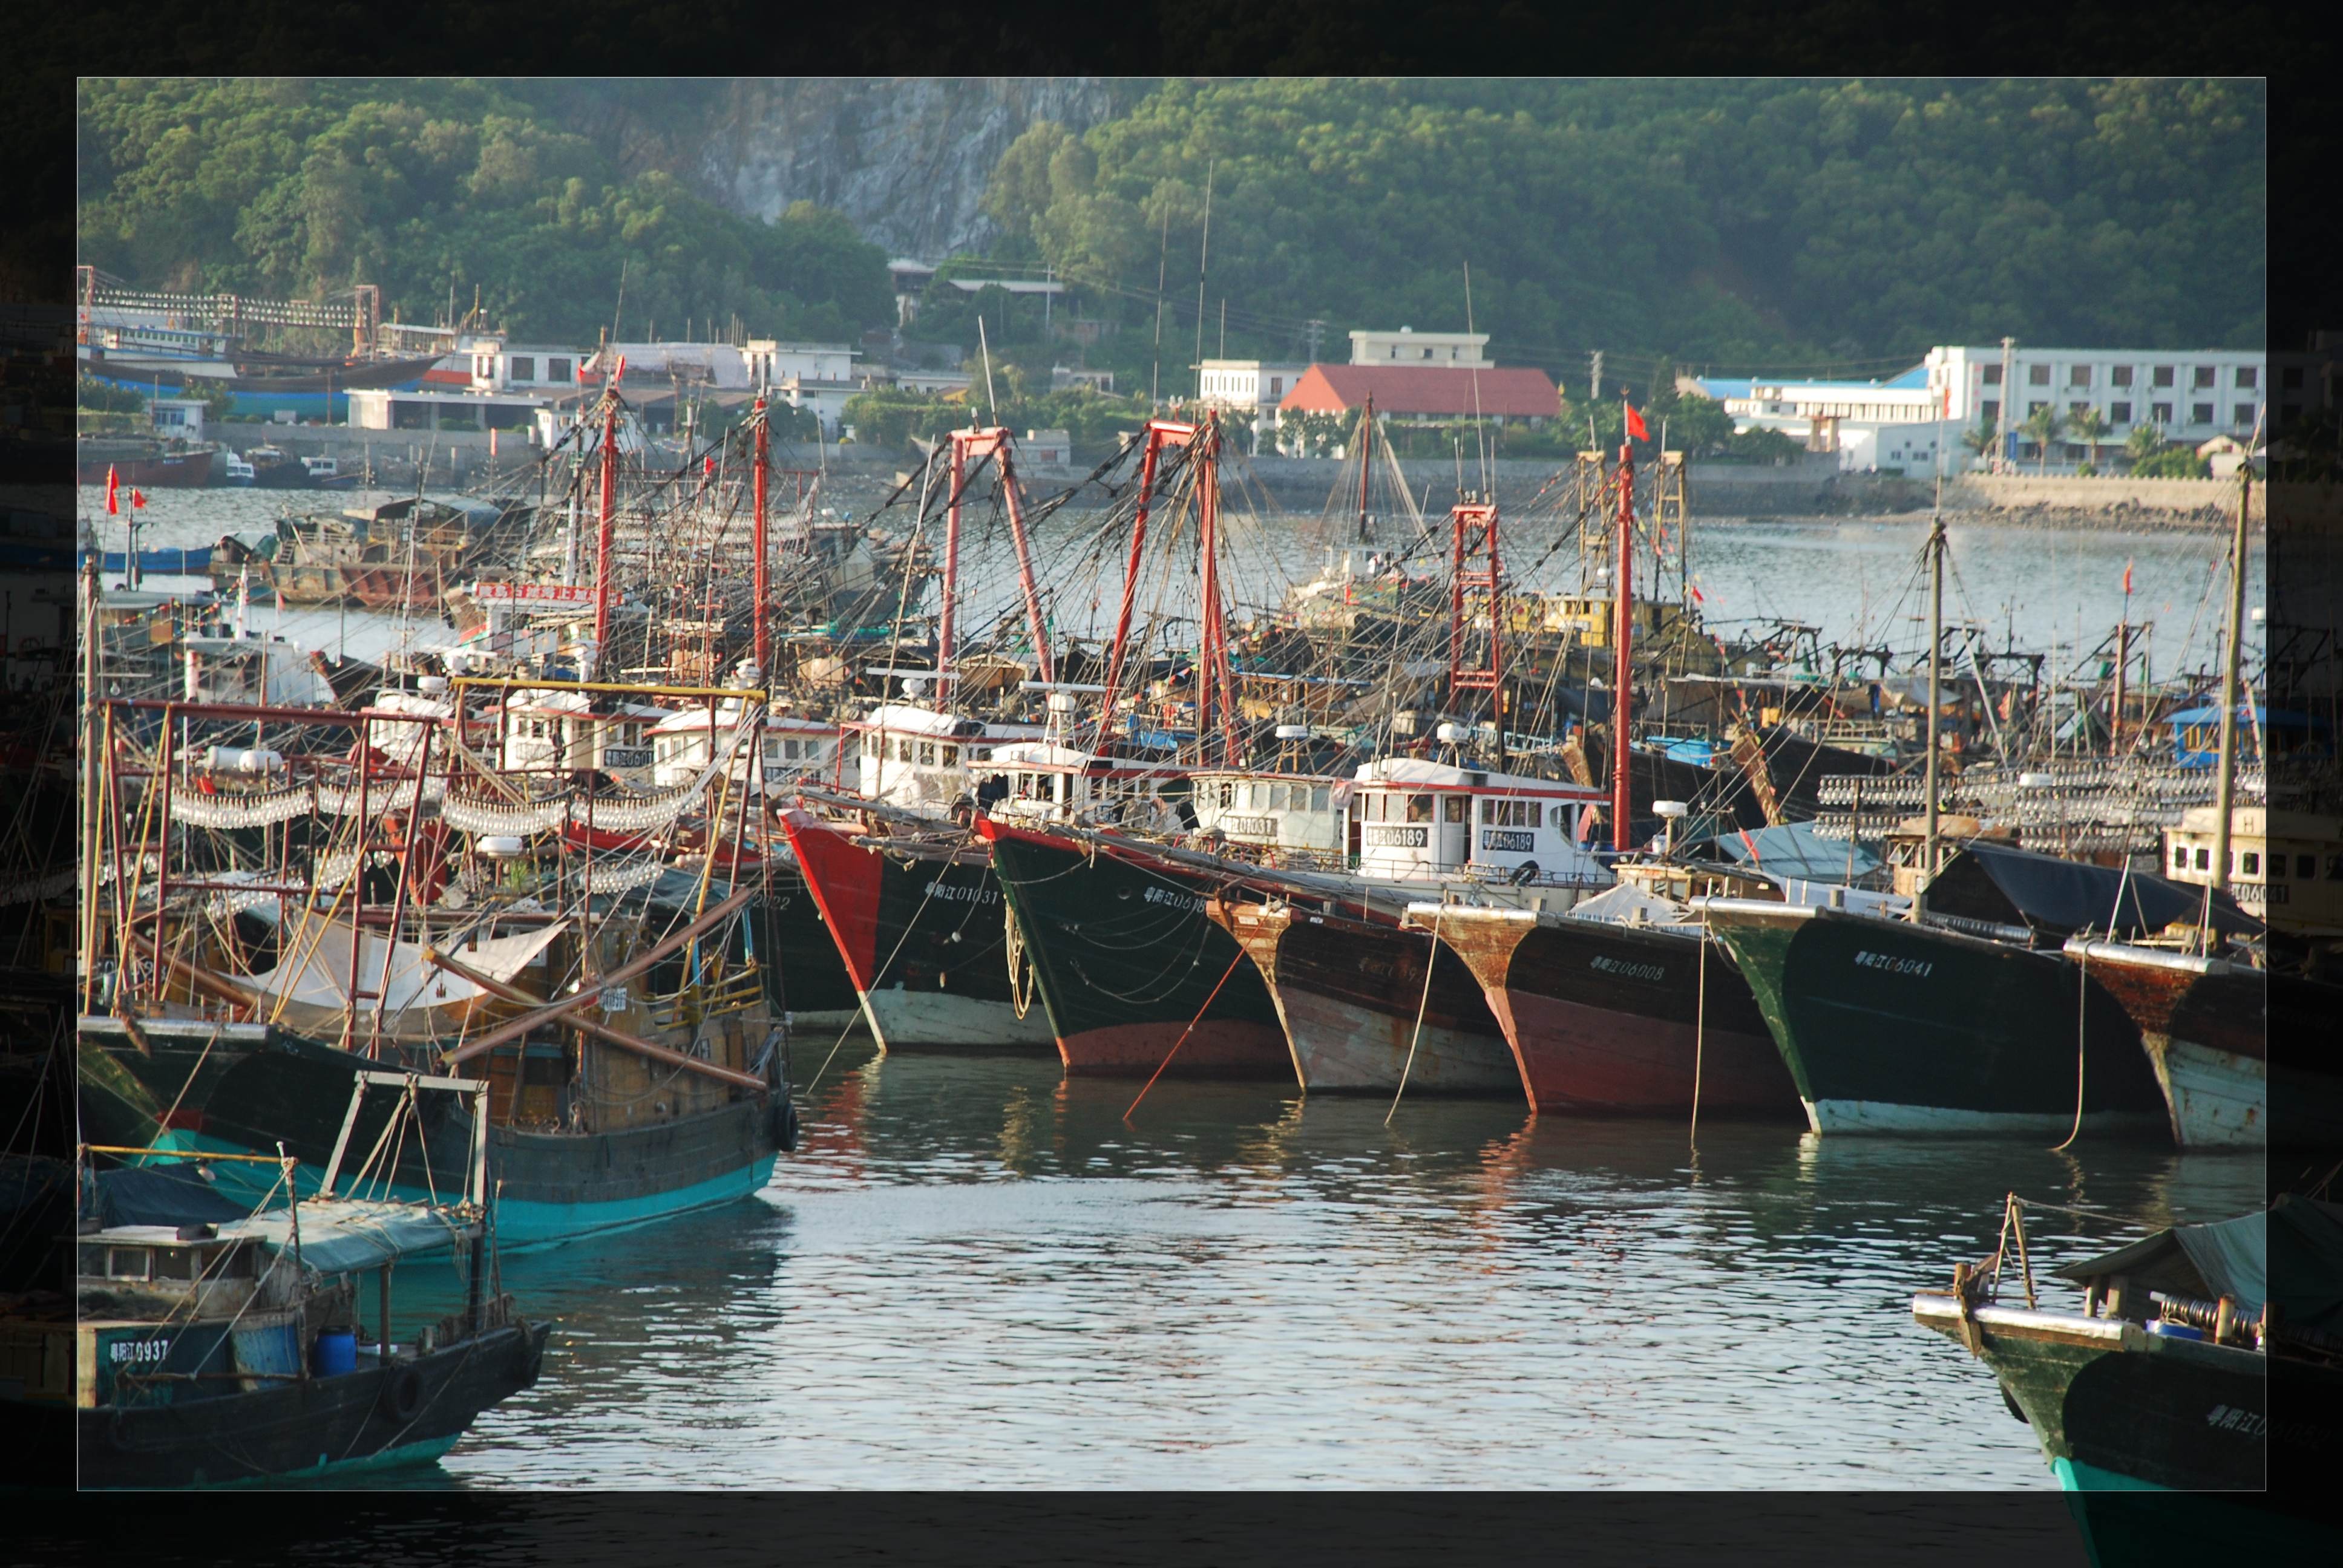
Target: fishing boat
x=2161 y=1380
x=216 y=1346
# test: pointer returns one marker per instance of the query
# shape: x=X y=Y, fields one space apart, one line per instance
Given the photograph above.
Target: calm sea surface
x=976 y=1272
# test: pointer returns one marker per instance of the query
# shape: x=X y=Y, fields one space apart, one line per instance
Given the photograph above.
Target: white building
x=497 y=366
x=384 y=408
x=179 y=419
x=2190 y=397
x=1448 y=350
x=1253 y=387
x=1889 y=424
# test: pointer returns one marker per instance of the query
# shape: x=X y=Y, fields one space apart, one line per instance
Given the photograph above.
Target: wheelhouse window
x=1419 y=807
x=927 y=754
x=1459 y=809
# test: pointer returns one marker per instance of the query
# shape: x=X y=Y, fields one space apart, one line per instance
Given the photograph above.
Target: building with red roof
x=1424 y=392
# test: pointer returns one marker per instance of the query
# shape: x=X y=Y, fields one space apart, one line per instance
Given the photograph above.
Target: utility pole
x=2009 y=397
x=1315 y=328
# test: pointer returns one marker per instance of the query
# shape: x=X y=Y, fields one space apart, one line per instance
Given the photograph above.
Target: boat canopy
x=1788 y=850
x=2291 y=1255
x=2059 y=898
x=344 y=1235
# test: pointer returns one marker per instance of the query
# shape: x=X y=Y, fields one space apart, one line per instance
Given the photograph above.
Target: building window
x=2204 y=859
x=524 y=368
x=2078 y=376
x=556 y=370
x=2036 y=406
x=2120 y=375
x=2180 y=857
x=1276 y=384
x=1427 y=354
x=2078 y=407
x=1993 y=375
x=2244 y=376
x=2037 y=375
x=2119 y=413
x=2160 y=412
x=2200 y=413
x=1991 y=407
x=2202 y=375
x=2244 y=413
x=2163 y=377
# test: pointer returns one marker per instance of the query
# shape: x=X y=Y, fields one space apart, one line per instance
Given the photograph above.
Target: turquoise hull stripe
x=429 y=1451
x=520 y=1223
x=2074 y=1475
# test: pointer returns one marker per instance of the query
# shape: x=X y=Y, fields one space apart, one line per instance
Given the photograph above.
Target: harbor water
x=976 y=1273
x=1856 y=580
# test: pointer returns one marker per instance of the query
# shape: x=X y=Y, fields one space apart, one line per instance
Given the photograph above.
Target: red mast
x=1215 y=686
x=764 y=652
x=1623 y=643
x=1366 y=459
x=977 y=442
x=1161 y=433
x=602 y=534
x=1473 y=590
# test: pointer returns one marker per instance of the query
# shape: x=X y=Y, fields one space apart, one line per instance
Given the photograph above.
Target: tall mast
x=945 y=613
x=1215 y=688
x=762 y=588
x=2224 y=801
x=1157 y=432
x=602 y=534
x=1366 y=459
x=1624 y=634
x=1024 y=544
x=1935 y=547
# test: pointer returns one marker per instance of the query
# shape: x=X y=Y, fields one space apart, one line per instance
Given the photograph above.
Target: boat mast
x=1624 y=643
x=2225 y=798
x=1024 y=545
x=944 y=612
x=1215 y=688
x=602 y=534
x=1366 y=461
x=1161 y=433
x=1936 y=549
x=760 y=643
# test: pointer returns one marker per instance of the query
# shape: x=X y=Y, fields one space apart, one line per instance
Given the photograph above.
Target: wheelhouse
x=1293 y=818
x=1421 y=820
x=920 y=759
x=1036 y=782
x=562 y=732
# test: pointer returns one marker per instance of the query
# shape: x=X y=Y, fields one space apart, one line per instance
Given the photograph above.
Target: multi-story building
x=1253 y=387
x=2190 y=396
x=1448 y=350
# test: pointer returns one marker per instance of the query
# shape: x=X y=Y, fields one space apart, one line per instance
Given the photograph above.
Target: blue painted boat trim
x=521 y=1225
x=2074 y=1475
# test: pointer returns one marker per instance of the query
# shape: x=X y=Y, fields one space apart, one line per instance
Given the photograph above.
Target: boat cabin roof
x=904 y=717
x=1043 y=756
x=1417 y=773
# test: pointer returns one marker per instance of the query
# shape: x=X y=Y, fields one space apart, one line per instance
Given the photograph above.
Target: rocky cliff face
x=906 y=158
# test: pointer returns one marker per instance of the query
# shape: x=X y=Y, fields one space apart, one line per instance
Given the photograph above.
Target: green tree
x=1980 y=441
x=2043 y=426
x=2145 y=441
x=2090 y=427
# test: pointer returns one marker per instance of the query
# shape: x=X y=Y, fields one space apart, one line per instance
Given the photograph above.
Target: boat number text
x=965 y=895
x=1891 y=964
x=1176 y=900
x=1395 y=838
x=1628 y=969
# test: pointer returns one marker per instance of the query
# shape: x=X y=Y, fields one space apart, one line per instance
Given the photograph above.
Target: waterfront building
x=1426 y=393
x=2190 y=395
x=1255 y=388
x=1449 y=350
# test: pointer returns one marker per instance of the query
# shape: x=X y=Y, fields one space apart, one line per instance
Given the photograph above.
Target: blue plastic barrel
x=336 y=1352
x=2170 y=1330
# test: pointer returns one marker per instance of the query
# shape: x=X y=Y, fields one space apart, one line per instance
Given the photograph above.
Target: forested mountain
x=1848 y=223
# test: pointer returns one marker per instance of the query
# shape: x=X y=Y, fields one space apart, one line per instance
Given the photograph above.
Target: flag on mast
x=113 y=492
x=1635 y=426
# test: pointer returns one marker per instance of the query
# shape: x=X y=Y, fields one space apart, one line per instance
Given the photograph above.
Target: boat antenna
x=1480 y=443
x=1203 y=255
x=2225 y=798
x=991 y=402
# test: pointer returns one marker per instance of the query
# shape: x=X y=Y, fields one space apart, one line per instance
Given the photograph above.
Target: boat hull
x=1611 y=1019
x=1358 y=1017
x=2116 y=1408
x=2202 y=1025
x=311 y=1426
x=1133 y=974
x=921 y=929
x=806 y=981
x=1889 y=1026
x=191 y=1094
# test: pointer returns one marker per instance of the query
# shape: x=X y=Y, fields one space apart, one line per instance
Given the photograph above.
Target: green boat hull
x=1892 y=1028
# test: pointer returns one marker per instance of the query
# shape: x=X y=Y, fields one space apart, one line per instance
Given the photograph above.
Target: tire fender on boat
x=785 y=1123
x=402 y=1393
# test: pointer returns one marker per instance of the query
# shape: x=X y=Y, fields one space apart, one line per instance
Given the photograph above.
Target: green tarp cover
x=346 y=1235
x=2291 y=1255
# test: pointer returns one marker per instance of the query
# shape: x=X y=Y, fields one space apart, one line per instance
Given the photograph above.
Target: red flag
x=1698 y=595
x=137 y=497
x=707 y=467
x=113 y=492
x=2127 y=579
x=1635 y=425
x=620 y=373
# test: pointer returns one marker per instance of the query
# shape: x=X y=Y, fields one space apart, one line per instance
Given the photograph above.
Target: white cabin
x=919 y=760
x=268 y=671
x=795 y=749
x=1421 y=821
x=561 y=732
x=2284 y=867
x=1296 y=819
x=1038 y=781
